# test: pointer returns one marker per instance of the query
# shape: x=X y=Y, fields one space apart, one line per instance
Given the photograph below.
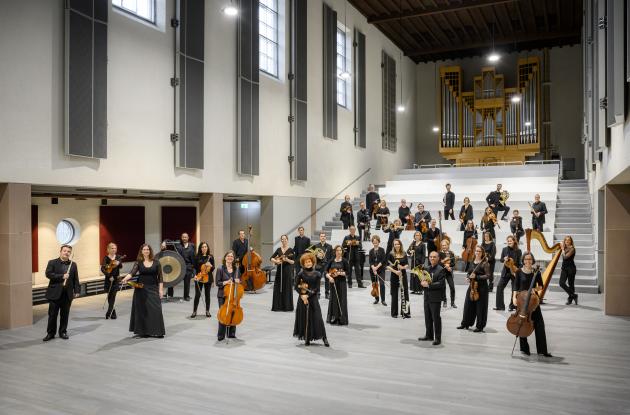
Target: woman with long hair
x=397 y=265
x=568 y=270
x=488 y=221
x=203 y=259
x=465 y=213
x=336 y=272
x=283 y=259
x=228 y=274
x=476 y=306
x=490 y=247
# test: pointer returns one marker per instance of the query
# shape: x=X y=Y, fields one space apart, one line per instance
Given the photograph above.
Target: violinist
x=469 y=231
x=421 y=219
x=378 y=261
x=204 y=259
x=363 y=222
x=283 y=259
x=465 y=213
x=352 y=245
x=510 y=251
x=490 y=248
x=397 y=264
x=372 y=198
x=111 y=278
x=403 y=211
x=347 y=217
x=539 y=210
x=417 y=252
x=447 y=260
x=300 y=245
x=336 y=272
x=432 y=298
x=394 y=231
x=516 y=226
x=309 y=324
x=489 y=221
x=146 y=318
x=430 y=236
x=522 y=282
x=449 y=202
x=63 y=287
x=568 y=270
x=476 y=302
x=382 y=215
x=325 y=256
x=494 y=202
x=228 y=274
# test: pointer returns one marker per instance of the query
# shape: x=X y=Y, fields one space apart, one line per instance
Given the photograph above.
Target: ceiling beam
x=472 y=4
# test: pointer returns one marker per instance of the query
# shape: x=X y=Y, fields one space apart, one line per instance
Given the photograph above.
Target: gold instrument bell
x=505 y=195
x=318 y=252
x=422 y=274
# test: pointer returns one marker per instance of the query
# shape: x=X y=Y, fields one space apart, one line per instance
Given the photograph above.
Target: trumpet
x=422 y=274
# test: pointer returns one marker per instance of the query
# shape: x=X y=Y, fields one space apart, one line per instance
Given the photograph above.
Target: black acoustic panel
x=330 y=72
x=85 y=7
x=100 y=91
x=101 y=7
x=388 y=133
x=195 y=12
x=301 y=150
x=181 y=110
x=245 y=127
x=359 y=86
x=301 y=26
x=194 y=114
x=255 y=126
x=80 y=85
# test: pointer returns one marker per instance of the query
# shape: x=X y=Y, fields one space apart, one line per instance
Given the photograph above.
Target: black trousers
x=448 y=213
x=518 y=235
x=539 y=331
x=432 y=319
x=451 y=286
x=499 y=207
x=189 y=274
x=206 y=290
x=55 y=307
x=537 y=224
x=347 y=221
x=476 y=310
x=492 y=264
x=394 y=286
x=381 y=283
x=503 y=282
x=111 y=299
x=231 y=330
x=568 y=275
x=356 y=266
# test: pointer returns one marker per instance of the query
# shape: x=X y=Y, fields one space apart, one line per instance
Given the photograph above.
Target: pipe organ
x=492 y=123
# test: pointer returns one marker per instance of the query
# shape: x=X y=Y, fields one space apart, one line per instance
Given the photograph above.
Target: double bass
x=252 y=262
x=231 y=312
x=469 y=249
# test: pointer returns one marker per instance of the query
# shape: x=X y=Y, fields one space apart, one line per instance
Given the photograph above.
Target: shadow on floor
x=74 y=331
x=360 y=327
x=556 y=360
x=421 y=345
x=323 y=351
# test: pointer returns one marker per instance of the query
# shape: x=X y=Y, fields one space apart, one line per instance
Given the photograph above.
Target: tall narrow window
x=143 y=9
x=344 y=81
x=268 y=36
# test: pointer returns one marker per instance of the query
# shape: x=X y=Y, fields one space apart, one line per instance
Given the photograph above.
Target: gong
x=173 y=268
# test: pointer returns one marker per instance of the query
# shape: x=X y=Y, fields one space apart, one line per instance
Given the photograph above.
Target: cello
x=231 y=312
x=442 y=236
x=252 y=262
x=469 y=249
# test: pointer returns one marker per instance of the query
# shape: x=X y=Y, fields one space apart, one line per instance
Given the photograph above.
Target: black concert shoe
x=569 y=300
x=326 y=296
x=106 y=316
x=394 y=315
x=453 y=305
x=208 y=314
x=478 y=330
x=361 y=286
x=406 y=316
x=307 y=343
x=575 y=297
x=220 y=338
x=113 y=316
x=525 y=352
x=545 y=354
x=499 y=308
x=376 y=301
x=63 y=336
x=425 y=339
x=511 y=308
x=437 y=342
x=462 y=327
x=325 y=340
x=349 y=285
x=384 y=303
x=48 y=337
x=444 y=304
x=186 y=298
x=193 y=315
x=231 y=336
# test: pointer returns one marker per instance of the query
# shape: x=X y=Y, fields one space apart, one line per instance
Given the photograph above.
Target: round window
x=68 y=231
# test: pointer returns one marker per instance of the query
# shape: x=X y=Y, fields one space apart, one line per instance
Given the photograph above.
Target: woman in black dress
x=146 y=310
x=309 y=324
x=417 y=253
x=488 y=222
x=203 y=259
x=477 y=309
x=490 y=247
x=567 y=273
x=394 y=230
x=522 y=282
x=110 y=286
x=283 y=283
x=338 y=302
x=465 y=214
x=228 y=274
x=397 y=264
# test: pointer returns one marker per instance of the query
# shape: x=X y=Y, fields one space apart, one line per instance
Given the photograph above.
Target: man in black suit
x=363 y=222
x=433 y=294
x=494 y=201
x=63 y=286
x=539 y=210
x=302 y=243
x=371 y=198
x=449 y=202
x=352 y=244
x=323 y=259
x=187 y=250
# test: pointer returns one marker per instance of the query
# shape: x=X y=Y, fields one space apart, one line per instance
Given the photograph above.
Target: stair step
x=580 y=289
x=576 y=237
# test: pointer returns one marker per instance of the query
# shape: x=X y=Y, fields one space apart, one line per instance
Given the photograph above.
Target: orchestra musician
x=539 y=210
x=240 y=246
x=324 y=259
x=494 y=201
x=432 y=300
x=489 y=221
x=421 y=216
x=347 y=217
x=490 y=248
x=522 y=282
x=338 y=302
x=63 y=287
x=382 y=215
x=510 y=251
x=228 y=274
x=417 y=252
x=371 y=198
x=203 y=258
x=465 y=213
x=430 y=236
x=187 y=250
x=568 y=270
x=397 y=265
x=477 y=309
x=309 y=324
x=352 y=245
x=378 y=263
x=111 y=278
x=300 y=245
x=516 y=226
x=394 y=231
x=283 y=258
x=449 y=266
x=449 y=202
x=403 y=211
x=363 y=222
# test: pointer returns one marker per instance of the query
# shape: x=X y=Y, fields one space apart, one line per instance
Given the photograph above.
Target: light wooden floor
x=375 y=365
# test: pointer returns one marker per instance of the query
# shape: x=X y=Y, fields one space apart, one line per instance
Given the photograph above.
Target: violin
x=375 y=290
x=474 y=284
x=109 y=268
x=469 y=249
x=410 y=226
x=231 y=312
x=252 y=262
x=135 y=284
x=203 y=275
x=520 y=323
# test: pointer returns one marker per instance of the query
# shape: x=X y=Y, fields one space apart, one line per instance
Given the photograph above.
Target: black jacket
x=115 y=272
x=539 y=207
x=352 y=251
x=363 y=217
x=370 y=198
x=467 y=211
x=54 y=272
x=378 y=257
x=328 y=256
x=434 y=292
x=188 y=253
x=239 y=248
x=403 y=212
x=222 y=276
x=300 y=245
x=493 y=198
x=449 y=200
x=515 y=254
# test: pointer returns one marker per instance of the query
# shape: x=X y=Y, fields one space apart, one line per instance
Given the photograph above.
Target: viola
x=231 y=312
x=441 y=236
x=252 y=263
x=203 y=275
x=375 y=290
x=410 y=226
x=474 y=283
x=109 y=268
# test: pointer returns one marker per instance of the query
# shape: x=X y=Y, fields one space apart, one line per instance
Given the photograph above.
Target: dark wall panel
x=34 y=238
x=177 y=220
x=330 y=72
x=298 y=90
x=123 y=225
x=359 y=90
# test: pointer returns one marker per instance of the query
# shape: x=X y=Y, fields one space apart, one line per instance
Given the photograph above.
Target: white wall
x=140 y=155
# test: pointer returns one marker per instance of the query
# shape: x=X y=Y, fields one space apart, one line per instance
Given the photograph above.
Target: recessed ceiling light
x=493 y=57
x=230 y=10
x=516 y=99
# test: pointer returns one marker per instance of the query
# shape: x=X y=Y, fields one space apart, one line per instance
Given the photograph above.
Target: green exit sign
x=244 y=205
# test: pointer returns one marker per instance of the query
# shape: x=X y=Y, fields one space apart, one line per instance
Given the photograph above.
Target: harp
x=556 y=250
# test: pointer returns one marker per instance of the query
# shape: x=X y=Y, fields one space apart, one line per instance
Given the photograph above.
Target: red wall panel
x=177 y=220
x=34 y=238
x=123 y=225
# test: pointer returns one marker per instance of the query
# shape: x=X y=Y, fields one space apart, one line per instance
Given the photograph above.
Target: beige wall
x=617 y=274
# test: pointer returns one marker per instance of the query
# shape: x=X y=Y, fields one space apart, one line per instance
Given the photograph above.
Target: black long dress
x=338 y=302
x=491 y=253
x=283 y=283
x=394 y=283
x=200 y=260
x=418 y=255
x=314 y=328
x=477 y=310
x=146 y=310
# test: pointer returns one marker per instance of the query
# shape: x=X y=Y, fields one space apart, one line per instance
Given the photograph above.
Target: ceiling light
x=230 y=10
x=401 y=108
x=436 y=129
x=493 y=57
x=528 y=123
x=516 y=99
